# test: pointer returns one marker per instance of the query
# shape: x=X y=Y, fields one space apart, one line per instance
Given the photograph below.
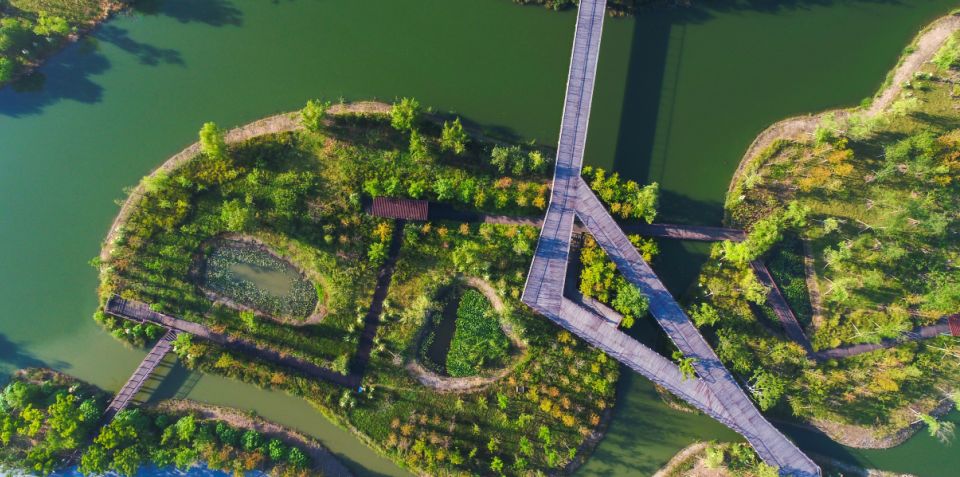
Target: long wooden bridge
x=715 y=391
x=140 y=376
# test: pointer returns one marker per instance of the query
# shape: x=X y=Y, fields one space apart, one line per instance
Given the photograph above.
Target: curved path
x=283 y=122
x=925 y=47
x=450 y=384
x=716 y=393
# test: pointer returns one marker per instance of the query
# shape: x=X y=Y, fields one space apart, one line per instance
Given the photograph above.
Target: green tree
x=186 y=427
x=7 y=68
x=297 y=459
x=418 y=146
x=417 y=189
x=49 y=25
x=65 y=420
x=405 y=114
x=705 y=315
x=277 y=450
x=766 y=388
x=313 y=114
x=685 y=364
x=235 y=215
x=94 y=461
x=630 y=302
x=212 y=143
x=252 y=440
x=126 y=461
x=377 y=253
x=454 y=138
x=496 y=465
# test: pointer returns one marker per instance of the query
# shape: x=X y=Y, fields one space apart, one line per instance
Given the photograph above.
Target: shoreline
x=323 y=459
x=277 y=123
x=925 y=46
x=109 y=8
x=922 y=49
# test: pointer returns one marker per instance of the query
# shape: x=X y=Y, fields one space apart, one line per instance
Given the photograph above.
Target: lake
x=680 y=94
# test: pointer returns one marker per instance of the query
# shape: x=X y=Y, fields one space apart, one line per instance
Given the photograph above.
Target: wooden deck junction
x=715 y=392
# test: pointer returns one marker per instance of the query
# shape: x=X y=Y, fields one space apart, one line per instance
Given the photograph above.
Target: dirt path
x=925 y=47
x=323 y=460
x=278 y=123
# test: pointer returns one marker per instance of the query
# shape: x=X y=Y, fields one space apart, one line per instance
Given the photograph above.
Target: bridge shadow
x=653 y=73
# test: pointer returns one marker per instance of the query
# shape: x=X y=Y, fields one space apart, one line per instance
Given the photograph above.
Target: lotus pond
x=253 y=277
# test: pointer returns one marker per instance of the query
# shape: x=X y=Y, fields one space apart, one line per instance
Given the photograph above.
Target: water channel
x=681 y=93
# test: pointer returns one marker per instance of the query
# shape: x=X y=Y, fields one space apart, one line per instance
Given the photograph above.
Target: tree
x=7 y=67
x=297 y=459
x=94 y=461
x=766 y=388
x=236 y=216
x=705 y=315
x=404 y=115
x=496 y=465
x=277 y=450
x=941 y=430
x=630 y=302
x=685 y=364
x=126 y=461
x=752 y=289
x=186 y=427
x=418 y=146
x=212 y=143
x=49 y=25
x=377 y=253
x=252 y=440
x=416 y=189
x=313 y=114
x=453 y=137
x=65 y=419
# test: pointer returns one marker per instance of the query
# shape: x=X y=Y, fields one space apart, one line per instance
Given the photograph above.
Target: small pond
x=249 y=275
x=465 y=338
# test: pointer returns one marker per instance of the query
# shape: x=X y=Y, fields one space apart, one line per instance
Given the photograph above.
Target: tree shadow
x=16 y=356
x=147 y=54
x=210 y=12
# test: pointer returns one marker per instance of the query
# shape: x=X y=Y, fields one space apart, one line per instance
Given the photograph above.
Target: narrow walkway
x=949 y=326
x=372 y=319
x=141 y=312
x=133 y=385
x=716 y=393
x=778 y=302
x=770 y=444
x=545 y=281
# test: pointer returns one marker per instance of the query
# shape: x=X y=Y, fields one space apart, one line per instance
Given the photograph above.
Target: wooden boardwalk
x=781 y=308
x=948 y=326
x=547 y=270
x=715 y=391
x=140 y=376
x=141 y=312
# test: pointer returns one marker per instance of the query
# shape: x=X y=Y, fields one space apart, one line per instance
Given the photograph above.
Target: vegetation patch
x=301 y=193
x=254 y=277
x=32 y=30
x=478 y=342
x=47 y=417
x=876 y=197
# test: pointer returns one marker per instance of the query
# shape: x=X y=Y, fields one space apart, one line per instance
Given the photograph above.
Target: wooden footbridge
x=715 y=392
x=141 y=375
x=141 y=313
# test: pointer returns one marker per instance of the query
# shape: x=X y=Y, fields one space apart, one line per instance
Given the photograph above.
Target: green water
x=680 y=95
